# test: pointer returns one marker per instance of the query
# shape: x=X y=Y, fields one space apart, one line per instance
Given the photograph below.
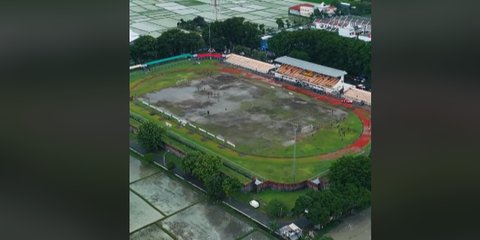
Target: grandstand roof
x=311 y=66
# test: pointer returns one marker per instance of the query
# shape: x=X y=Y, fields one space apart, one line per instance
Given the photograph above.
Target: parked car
x=361 y=86
x=254 y=204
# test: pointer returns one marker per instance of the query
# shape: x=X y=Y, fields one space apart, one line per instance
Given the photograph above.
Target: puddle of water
x=205 y=221
x=151 y=232
x=140 y=169
x=141 y=213
x=165 y=193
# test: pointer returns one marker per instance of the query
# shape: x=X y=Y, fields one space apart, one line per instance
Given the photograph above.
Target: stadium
x=282 y=122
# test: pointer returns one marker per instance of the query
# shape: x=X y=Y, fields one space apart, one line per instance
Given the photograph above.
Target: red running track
x=362 y=114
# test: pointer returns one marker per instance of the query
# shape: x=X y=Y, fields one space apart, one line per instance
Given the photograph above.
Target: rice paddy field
x=162 y=207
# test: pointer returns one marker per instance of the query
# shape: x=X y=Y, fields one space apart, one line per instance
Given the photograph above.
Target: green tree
x=214 y=186
x=170 y=165
x=280 y=23
x=261 y=27
x=352 y=170
x=300 y=55
x=277 y=208
x=273 y=226
x=231 y=185
x=206 y=165
x=304 y=202
x=150 y=135
x=143 y=49
x=189 y=161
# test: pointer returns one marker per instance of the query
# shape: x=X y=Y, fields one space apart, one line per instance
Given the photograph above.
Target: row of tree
x=326 y=48
x=360 y=8
x=350 y=189
x=170 y=43
x=224 y=35
x=233 y=31
x=320 y=47
x=207 y=169
x=203 y=166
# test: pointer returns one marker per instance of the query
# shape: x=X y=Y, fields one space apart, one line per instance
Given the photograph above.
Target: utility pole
x=294 y=151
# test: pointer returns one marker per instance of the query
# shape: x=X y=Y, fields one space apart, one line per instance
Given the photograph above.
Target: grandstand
x=358 y=95
x=317 y=77
x=249 y=63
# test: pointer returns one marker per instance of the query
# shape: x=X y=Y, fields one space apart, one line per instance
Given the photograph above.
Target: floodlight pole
x=294 y=150
x=294 y=154
x=209 y=37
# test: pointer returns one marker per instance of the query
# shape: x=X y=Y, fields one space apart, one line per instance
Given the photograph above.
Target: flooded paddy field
x=257 y=235
x=356 y=227
x=166 y=194
x=205 y=221
x=152 y=232
x=140 y=169
x=141 y=213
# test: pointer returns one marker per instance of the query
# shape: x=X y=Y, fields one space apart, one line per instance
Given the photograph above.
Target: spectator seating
x=308 y=76
x=249 y=63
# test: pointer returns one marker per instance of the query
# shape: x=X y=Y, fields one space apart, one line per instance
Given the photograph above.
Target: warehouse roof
x=311 y=66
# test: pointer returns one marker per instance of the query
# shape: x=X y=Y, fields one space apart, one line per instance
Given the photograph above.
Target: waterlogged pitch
x=259 y=119
x=257 y=115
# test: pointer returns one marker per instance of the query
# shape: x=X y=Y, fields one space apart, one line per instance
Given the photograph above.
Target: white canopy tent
x=133 y=36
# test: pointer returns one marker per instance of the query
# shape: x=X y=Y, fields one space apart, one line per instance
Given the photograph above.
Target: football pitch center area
x=260 y=119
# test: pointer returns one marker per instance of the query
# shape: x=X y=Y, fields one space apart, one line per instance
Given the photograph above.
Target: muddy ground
x=252 y=115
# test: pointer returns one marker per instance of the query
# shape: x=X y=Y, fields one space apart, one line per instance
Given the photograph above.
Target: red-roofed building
x=303 y=9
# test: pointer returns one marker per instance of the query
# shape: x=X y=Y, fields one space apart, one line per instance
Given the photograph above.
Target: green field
x=278 y=169
x=264 y=197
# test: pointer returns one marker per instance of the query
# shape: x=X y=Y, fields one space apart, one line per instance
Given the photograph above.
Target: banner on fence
x=211 y=134
x=220 y=138
x=191 y=125
x=202 y=130
x=230 y=143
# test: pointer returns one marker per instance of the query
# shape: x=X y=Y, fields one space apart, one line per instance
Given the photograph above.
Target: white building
x=365 y=37
x=360 y=26
x=290 y=232
x=347 y=31
x=304 y=9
